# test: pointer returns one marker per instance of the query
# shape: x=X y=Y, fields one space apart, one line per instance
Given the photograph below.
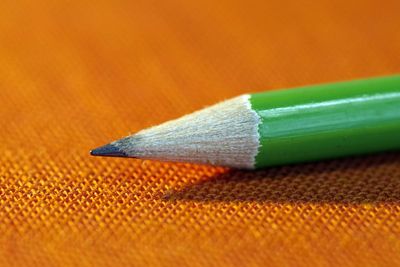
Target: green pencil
x=277 y=127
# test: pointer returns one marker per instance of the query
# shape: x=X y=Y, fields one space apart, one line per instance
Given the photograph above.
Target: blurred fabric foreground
x=77 y=74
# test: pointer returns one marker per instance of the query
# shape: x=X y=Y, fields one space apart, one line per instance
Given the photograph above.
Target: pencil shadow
x=360 y=180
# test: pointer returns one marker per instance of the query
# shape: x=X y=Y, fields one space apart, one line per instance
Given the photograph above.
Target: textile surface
x=77 y=74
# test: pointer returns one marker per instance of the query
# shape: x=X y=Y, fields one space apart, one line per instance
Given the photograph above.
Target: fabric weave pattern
x=77 y=74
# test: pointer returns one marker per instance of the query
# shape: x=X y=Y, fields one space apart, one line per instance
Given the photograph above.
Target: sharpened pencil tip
x=108 y=150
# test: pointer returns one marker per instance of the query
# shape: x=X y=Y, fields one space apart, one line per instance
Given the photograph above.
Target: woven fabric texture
x=77 y=74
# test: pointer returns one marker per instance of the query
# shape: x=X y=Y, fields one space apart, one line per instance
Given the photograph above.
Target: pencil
x=277 y=127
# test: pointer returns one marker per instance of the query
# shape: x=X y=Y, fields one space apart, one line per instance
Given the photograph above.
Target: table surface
x=77 y=74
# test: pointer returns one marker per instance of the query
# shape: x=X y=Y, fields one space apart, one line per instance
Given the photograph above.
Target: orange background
x=77 y=74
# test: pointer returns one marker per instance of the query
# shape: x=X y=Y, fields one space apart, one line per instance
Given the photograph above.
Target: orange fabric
x=77 y=74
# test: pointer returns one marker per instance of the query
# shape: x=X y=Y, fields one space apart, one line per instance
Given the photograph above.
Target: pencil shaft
x=326 y=121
